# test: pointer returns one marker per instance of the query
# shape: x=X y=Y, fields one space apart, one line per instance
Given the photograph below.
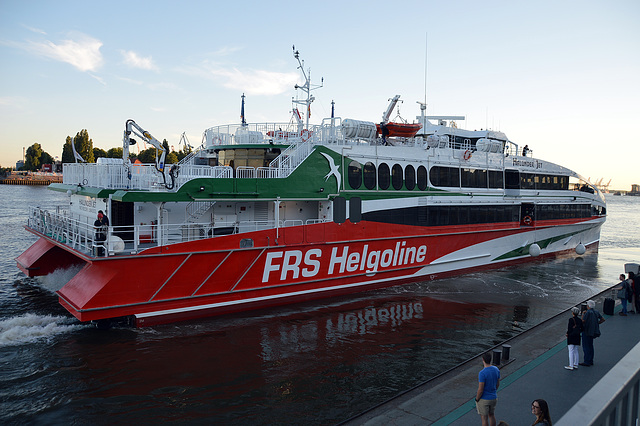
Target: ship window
x=369 y=175
x=384 y=176
x=496 y=179
x=512 y=179
x=527 y=181
x=551 y=182
x=396 y=176
x=422 y=178
x=355 y=175
x=474 y=178
x=410 y=177
x=445 y=176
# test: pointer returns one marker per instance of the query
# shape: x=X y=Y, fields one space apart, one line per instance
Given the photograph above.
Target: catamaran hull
x=216 y=276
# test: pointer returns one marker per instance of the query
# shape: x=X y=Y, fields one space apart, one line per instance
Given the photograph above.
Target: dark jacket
x=574 y=328
x=590 y=321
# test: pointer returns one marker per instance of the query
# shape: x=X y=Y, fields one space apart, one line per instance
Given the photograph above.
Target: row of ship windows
x=409 y=178
x=476 y=214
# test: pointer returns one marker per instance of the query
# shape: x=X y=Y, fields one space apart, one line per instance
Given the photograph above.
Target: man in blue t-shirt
x=487 y=395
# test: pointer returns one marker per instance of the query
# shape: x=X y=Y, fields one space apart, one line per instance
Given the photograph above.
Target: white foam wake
x=29 y=328
x=58 y=278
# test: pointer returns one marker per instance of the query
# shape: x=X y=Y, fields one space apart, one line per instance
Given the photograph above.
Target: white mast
x=306 y=87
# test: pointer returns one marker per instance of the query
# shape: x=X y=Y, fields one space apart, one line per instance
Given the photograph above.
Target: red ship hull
x=214 y=276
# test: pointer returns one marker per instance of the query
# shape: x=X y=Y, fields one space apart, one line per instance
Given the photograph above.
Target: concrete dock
x=535 y=371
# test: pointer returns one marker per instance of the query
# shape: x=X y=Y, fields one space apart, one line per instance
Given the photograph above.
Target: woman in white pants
x=574 y=329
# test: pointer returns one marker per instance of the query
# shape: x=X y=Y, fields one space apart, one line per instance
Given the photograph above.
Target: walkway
x=536 y=370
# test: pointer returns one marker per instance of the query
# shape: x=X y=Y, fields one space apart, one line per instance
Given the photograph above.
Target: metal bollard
x=497 y=353
x=506 y=350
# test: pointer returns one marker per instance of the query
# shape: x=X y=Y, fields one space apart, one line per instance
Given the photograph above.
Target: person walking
x=574 y=329
x=487 y=394
x=591 y=320
x=540 y=409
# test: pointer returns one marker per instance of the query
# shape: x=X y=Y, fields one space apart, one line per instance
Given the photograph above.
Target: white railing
x=142 y=177
x=245 y=172
x=254 y=133
x=85 y=237
x=614 y=400
x=111 y=176
x=62 y=228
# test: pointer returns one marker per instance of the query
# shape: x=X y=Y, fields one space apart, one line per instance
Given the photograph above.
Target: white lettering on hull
x=293 y=264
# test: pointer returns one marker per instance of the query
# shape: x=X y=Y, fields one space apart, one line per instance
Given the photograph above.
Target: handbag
x=622 y=293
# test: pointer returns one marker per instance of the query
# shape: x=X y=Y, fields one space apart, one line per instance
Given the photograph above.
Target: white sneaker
x=568 y=368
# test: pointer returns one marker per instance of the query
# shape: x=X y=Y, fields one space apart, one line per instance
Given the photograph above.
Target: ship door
x=527 y=214
x=122 y=216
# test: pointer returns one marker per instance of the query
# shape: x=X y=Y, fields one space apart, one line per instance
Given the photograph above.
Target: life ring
x=527 y=220
x=216 y=140
x=305 y=135
x=467 y=155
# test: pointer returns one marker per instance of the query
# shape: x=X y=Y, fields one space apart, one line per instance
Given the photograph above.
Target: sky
x=560 y=76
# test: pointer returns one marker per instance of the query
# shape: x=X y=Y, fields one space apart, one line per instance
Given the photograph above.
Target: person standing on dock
x=574 y=329
x=624 y=294
x=635 y=286
x=591 y=320
x=487 y=395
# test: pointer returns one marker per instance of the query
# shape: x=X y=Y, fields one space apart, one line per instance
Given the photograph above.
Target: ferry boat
x=266 y=214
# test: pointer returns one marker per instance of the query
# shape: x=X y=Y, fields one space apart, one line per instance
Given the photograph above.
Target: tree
x=35 y=157
x=99 y=153
x=32 y=157
x=114 y=153
x=84 y=146
x=46 y=158
x=171 y=158
x=148 y=155
x=67 y=152
x=183 y=153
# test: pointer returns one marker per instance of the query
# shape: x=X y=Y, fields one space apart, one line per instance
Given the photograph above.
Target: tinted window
x=369 y=175
x=445 y=176
x=496 y=179
x=422 y=178
x=396 y=176
x=410 y=177
x=355 y=175
x=384 y=176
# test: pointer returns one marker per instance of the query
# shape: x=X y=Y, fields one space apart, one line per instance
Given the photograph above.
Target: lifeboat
x=401 y=130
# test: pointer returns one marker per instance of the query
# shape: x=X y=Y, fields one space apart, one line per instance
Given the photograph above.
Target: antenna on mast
x=426 y=55
x=306 y=87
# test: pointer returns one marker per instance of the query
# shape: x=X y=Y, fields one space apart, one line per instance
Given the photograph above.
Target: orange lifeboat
x=401 y=130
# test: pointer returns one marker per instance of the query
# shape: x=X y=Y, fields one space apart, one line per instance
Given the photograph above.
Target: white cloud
x=83 y=52
x=134 y=60
x=100 y=79
x=254 y=82
x=34 y=30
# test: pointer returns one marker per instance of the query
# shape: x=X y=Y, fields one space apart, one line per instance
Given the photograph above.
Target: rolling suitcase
x=608 y=305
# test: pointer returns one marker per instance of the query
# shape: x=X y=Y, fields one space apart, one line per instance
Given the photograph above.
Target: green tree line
x=35 y=156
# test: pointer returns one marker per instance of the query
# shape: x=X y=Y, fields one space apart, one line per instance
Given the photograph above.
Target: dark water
x=316 y=363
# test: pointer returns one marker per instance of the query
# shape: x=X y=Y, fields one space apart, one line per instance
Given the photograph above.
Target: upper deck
x=289 y=145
